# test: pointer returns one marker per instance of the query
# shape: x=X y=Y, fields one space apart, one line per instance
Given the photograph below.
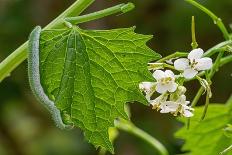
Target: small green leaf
x=91 y=74
x=207 y=137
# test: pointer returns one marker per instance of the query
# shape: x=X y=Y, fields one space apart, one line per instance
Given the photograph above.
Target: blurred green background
x=26 y=127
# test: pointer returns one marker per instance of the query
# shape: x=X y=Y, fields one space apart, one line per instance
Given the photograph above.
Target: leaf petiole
x=121 y=8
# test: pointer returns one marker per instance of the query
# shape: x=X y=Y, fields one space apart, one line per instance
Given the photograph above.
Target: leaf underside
x=91 y=74
x=207 y=137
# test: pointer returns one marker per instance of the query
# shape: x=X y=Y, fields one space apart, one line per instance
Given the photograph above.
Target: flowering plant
x=85 y=78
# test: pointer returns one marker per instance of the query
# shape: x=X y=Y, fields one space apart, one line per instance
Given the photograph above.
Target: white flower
x=178 y=106
x=148 y=88
x=185 y=110
x=158 y=101
x=193 y=64
x=165 y=81
x=169 y=106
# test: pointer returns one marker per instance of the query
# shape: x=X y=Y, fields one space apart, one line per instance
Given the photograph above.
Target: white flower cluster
x=172 y=99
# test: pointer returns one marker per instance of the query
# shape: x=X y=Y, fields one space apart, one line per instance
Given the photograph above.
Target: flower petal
x=169 y=73
x=187 y=113
x=168 y=106
x=181 y=64
x=172 y=87
x=195 y=54
x=189 y=73
x=158 y=74
x=204 y=64
x=160 y=88
x=146 y=86
x=157 y=100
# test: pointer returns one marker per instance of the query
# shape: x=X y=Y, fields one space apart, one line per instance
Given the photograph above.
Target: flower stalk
x=194 y=42
x=215 y=19
x=131 y=128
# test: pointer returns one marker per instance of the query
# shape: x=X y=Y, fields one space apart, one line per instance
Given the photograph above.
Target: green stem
x=174 y=55
x=155 y=66
x=197 y=97
x=131 y=128
x=20 y=54
x=194 y=42
x=216 y=19
x=121 y=8
x=206 y=106
x=226 y=150
x=212 y=72
x=217 y=48
x=225 y=60
x=216 y=64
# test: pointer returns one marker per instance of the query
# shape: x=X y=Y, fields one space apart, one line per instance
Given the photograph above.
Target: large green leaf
x=207 y=137
x=91 y=74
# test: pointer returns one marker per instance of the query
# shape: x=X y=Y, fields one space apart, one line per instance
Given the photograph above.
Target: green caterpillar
x=34 y=79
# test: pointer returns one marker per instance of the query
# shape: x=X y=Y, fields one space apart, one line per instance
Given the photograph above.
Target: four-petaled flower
x=178 y=106
x=165 y=81
x=193 y=64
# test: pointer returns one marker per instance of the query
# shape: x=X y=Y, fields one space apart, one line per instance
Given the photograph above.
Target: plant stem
x=212 y=72
x=216 y=19
x=131 y=128
x=226 y=150
x=206 y=106
x=20 y=54
x=194 y=42
x=216 y=64
x=225 y=60
x=121 y=8
x=197 y=97
x=217 y=48
x=155 y=66
x=174 y=55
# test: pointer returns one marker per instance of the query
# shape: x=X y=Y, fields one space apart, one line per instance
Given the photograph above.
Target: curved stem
x=216 y=19
x=174 y=55
x=225 y=60
x=131 y=128
x=121 y=8
x=217 y=48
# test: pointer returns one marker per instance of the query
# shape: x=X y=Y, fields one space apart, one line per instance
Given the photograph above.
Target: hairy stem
x=216 y=19
x=20 y=54
x=121 y=8
x=131 y=128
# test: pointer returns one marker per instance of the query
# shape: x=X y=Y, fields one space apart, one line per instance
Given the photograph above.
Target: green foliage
x=207 y=137
x=91 y=74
